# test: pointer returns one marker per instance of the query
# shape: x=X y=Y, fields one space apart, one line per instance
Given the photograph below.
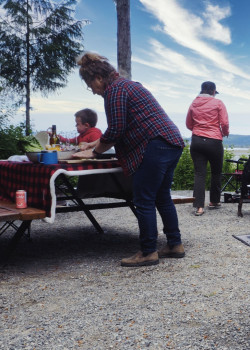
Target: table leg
x=6 y=225
x=121 y=189
x=16 y=238
x=81 y=204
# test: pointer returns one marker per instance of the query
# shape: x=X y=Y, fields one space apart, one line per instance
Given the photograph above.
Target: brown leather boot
x=139 y=260
x=175 y=252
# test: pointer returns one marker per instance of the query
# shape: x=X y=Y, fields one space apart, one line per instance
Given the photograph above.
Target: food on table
x=53 y=147
x=29 y=144
x=61 y=147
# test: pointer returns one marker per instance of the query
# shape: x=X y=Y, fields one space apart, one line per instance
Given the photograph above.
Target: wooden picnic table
x=39 y=181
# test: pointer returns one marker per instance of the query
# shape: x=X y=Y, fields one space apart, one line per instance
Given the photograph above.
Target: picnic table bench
x=182 y=199
x=9 y=213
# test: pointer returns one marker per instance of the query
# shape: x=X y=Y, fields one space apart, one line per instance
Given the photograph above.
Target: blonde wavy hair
x=93 y=65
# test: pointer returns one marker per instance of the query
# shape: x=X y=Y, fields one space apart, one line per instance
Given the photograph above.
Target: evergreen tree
x=39 y=40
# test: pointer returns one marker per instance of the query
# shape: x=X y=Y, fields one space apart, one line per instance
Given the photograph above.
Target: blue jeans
x=151 y=189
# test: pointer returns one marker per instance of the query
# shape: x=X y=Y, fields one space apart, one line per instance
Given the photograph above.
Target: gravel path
x=67 y=290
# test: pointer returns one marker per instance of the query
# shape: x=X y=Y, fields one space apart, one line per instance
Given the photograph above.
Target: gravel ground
x=67 y=290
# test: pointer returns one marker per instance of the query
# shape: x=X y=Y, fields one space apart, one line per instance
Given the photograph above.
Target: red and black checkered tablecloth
x=35 y=179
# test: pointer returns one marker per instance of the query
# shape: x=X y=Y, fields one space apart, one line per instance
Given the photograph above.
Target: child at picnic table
x=86 y=120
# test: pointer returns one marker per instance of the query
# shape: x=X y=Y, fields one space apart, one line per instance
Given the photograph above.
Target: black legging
x=205 y=150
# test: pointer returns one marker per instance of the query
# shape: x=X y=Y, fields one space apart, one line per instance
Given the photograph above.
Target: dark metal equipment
x=244 y=187
x=233 y=179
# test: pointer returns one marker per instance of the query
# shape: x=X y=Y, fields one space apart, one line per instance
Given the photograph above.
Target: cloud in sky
x=192 y=30
x=169 y=60
x=212 y=27
x=59 y=105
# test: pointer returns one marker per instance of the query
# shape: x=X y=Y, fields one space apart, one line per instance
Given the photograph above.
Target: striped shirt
x=134 y=117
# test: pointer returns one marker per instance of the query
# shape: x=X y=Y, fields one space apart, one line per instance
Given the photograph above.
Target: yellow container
x=53 y=147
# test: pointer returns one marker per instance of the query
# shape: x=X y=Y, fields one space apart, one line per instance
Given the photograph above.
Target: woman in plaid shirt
x=148 y=146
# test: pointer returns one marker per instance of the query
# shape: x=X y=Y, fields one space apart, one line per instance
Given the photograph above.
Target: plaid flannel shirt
x=134 y=117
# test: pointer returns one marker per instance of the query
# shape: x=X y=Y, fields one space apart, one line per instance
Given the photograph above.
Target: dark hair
x=93 y=65
x=87 y=116
x=208 y=87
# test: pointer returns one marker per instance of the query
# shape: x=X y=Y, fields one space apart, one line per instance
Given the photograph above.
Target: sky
x=176 y=45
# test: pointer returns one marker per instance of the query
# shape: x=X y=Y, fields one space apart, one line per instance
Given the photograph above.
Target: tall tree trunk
x=123 y=38
x=27 y=87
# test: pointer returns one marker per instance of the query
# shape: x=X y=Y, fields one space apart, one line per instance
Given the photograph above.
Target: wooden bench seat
x=182 y=199
x=9 y=213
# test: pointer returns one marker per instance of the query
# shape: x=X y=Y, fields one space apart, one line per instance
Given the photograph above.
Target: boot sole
x=173 y=255
x=145 y=263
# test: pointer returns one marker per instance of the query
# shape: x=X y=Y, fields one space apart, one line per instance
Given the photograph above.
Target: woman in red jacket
x=207 y=118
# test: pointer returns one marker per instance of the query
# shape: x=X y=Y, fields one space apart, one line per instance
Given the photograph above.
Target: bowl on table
x=66 y=155
x=33 y=156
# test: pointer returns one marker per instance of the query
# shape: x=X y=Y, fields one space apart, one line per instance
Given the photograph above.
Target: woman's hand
x=88 y=154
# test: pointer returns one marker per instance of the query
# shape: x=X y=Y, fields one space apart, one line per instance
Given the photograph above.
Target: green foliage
x=39 y=40
x=73 y=180
x=227 y=166
x=9 y=137
x=8 y=105
x=184 y=172
x=45 y=34
x=29 y=144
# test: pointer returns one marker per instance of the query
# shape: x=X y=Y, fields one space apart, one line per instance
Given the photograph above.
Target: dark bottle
x=54 y=139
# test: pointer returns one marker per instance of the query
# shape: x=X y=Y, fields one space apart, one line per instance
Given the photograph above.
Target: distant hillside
x=241 y=141
x=237 y=141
